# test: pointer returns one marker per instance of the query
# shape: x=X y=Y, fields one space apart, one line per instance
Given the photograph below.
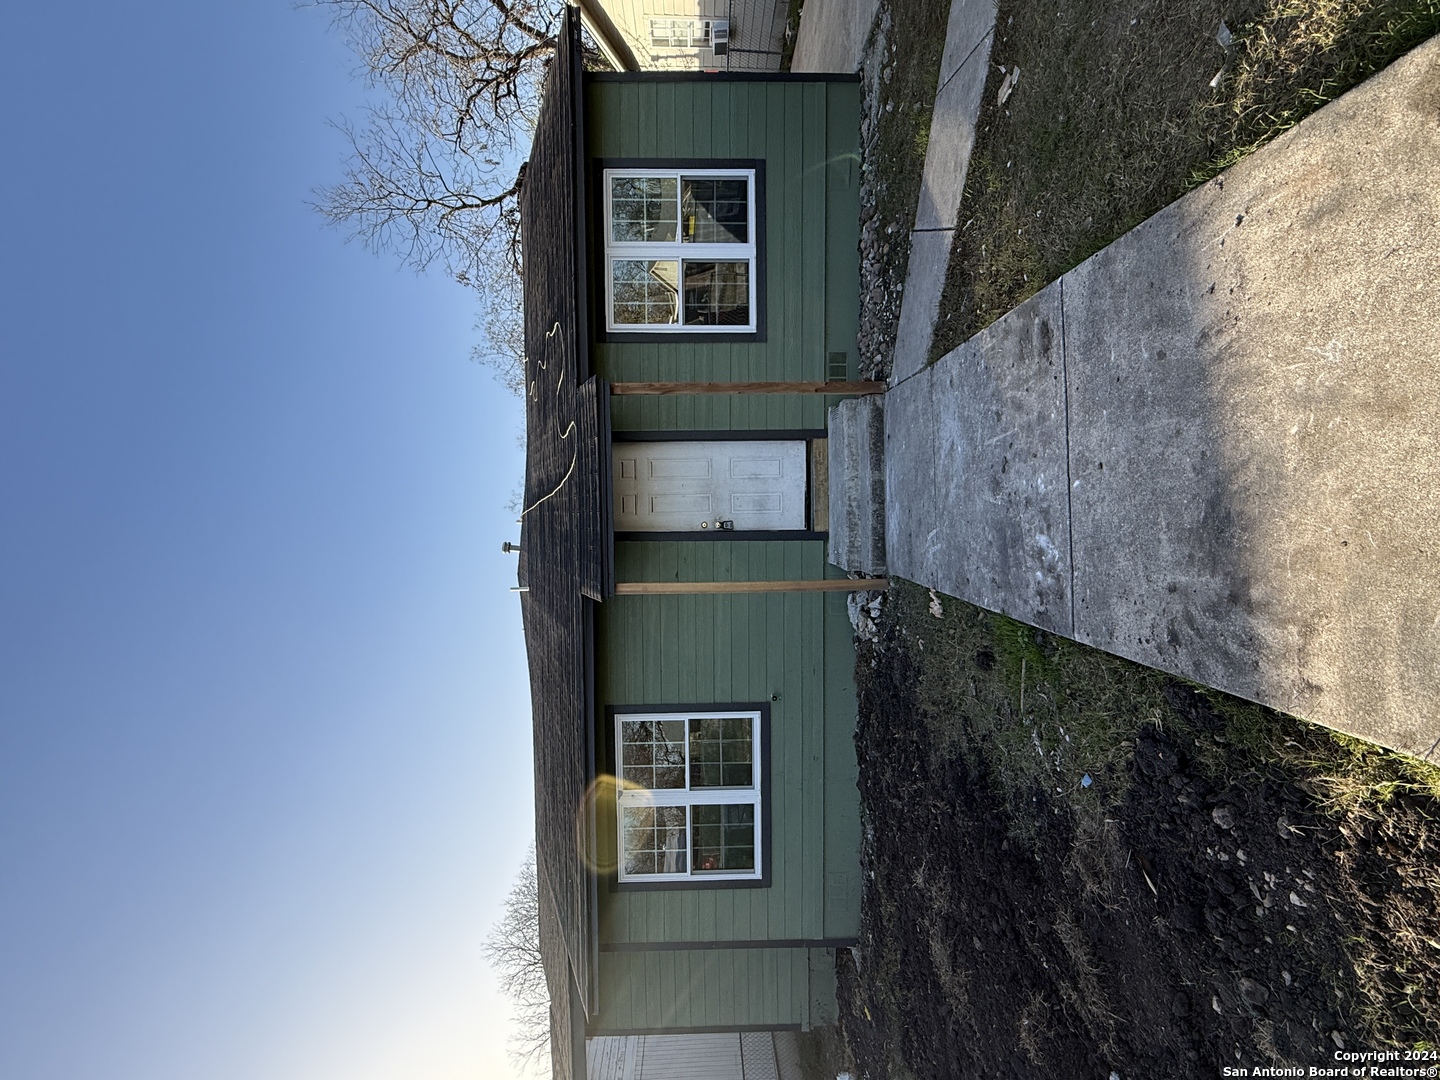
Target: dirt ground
x=1076 y=867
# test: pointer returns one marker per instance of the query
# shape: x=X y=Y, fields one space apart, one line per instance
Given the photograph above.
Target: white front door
x=698 y=486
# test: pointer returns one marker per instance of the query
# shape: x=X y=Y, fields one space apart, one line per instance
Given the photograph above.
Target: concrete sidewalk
x=832 y=34
x=963 y=68
x=1214 y=447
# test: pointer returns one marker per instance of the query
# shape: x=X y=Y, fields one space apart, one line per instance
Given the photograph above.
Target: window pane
x=723 y=837
x=715 y=211
x=644 y=291
x=654 y=840
x=721 y=753
x=671 y=33
x=717 y=293
x=642 y=208
x=652 y=753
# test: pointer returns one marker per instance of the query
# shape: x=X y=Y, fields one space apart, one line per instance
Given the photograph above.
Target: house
x=691 y=269
x=687 y=35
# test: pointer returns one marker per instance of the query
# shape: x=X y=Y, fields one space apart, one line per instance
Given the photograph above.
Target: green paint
x=791 y=650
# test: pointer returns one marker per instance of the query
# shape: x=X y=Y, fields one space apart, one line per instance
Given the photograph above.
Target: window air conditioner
x=720 y=36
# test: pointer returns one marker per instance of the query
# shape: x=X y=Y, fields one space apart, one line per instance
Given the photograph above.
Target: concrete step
x=857 y=485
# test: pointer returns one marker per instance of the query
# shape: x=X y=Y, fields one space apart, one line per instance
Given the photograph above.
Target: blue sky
x=265 y=767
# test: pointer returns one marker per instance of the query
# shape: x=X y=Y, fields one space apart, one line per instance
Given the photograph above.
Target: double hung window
x=680 y=250
x=689 y=796
x=679 y=33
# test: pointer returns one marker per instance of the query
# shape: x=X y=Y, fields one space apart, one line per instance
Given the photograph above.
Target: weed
x=1086 y=996
x=954 y=979
x=1033 y=1025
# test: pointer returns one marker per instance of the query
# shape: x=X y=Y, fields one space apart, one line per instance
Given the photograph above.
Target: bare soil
x=1077 y=867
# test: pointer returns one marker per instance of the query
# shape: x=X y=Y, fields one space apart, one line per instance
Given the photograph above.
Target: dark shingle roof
x=565 y=554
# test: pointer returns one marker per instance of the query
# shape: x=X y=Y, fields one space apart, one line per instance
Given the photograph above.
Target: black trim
x=577 y=180
x=656 y=337
x=809 y=485
x=606 y=480
x=599 y=165
x=704 y=946
x=720 y=435
x=721 y=1030
x=589 y=609
x=611 y=766
x=704 y=534
x=722 y=76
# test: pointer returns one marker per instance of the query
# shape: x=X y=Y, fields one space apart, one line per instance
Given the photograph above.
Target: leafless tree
x=514 y=948
x=432 y=174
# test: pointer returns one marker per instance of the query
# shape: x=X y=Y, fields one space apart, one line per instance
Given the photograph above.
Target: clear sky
x=265 y=768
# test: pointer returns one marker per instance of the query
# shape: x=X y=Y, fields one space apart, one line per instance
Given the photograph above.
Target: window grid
x=679 y=33
x=680 y=247
x=689 y=796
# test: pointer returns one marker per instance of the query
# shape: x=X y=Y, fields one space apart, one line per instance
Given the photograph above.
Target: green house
x=691 y=269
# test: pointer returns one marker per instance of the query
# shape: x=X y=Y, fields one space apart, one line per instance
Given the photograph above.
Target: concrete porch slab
x=912 y=523
x=857 y=485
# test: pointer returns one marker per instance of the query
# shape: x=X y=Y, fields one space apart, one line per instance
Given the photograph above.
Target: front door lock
x=722 y=524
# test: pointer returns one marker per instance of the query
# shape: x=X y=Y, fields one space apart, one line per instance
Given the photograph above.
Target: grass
x=1046 y=712
x=1114 y=117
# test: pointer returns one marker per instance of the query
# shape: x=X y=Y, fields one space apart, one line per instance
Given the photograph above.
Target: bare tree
x=433 y=170
x=514 y=948
x=432 y=174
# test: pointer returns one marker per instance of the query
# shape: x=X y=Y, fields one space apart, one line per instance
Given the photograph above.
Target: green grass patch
x=1115 y=116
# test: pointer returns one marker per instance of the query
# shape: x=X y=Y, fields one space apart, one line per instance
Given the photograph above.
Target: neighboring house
x=688 y=35
x=685 y=632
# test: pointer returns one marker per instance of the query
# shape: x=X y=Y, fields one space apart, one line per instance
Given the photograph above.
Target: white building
x=688 y=35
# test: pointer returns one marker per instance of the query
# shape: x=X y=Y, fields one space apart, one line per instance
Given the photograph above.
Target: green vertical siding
x=807 y=135
x=766 y=647
x=792 y=650
x=842 y=824
x=682 y=990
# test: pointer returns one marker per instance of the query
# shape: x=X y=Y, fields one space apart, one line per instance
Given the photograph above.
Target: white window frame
x=681 y=252
x=630 y=796
x=698 y=36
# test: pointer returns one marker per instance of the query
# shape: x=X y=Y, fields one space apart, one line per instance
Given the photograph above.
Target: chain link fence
x=757 y=33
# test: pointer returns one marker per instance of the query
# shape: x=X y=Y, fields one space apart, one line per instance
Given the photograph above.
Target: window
x=689 y=800
x=679 y=33
x=680 y=250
